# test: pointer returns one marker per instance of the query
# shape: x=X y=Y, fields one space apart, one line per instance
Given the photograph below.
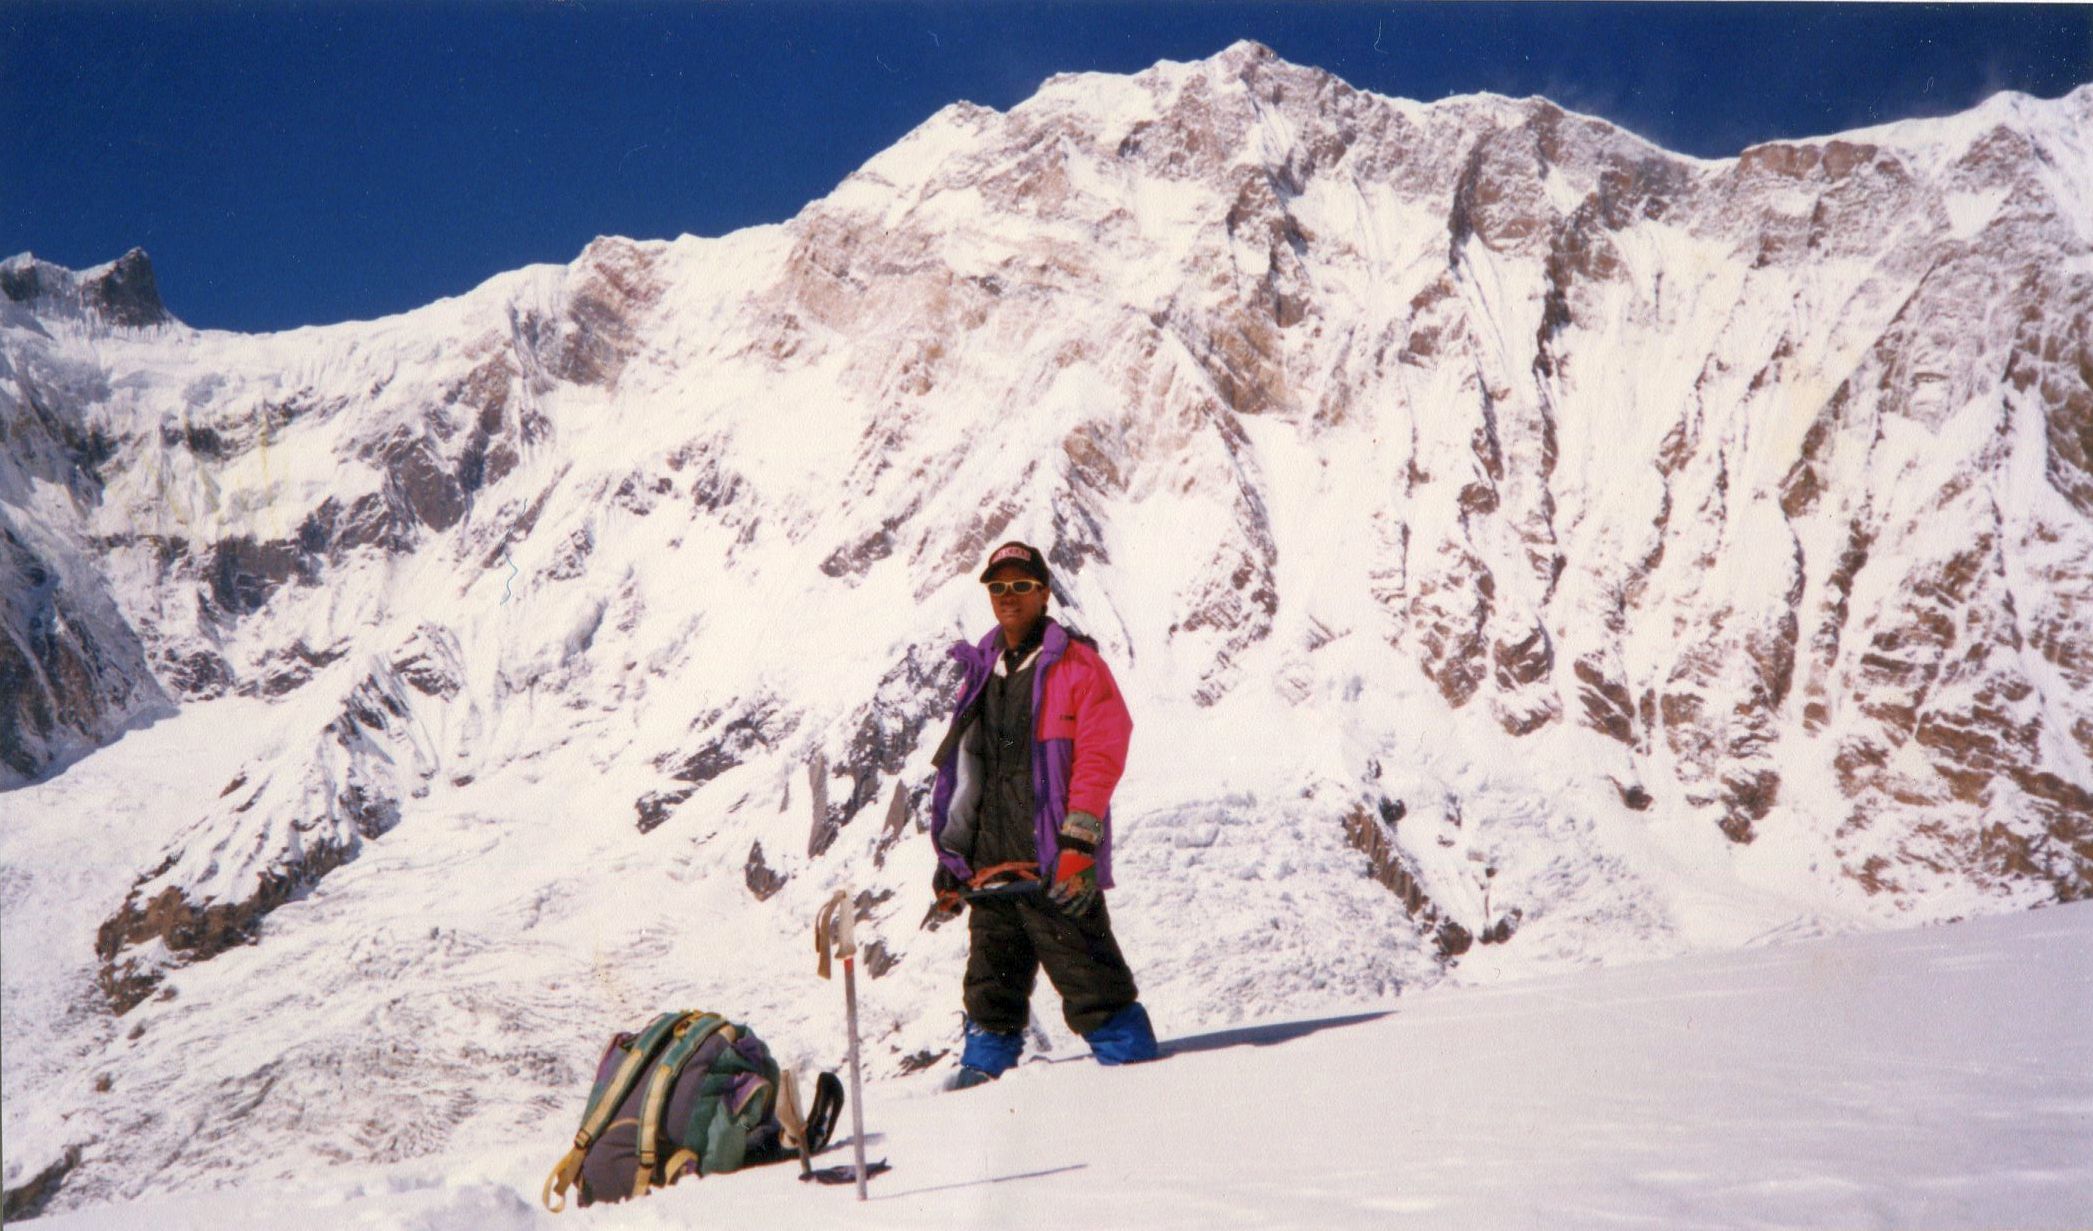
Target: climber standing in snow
x=1023 y=800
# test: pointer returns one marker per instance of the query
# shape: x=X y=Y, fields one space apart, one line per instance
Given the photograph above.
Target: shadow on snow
x=1264 y=1036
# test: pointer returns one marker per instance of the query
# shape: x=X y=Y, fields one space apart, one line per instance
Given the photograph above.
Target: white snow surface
x=1938 y=1077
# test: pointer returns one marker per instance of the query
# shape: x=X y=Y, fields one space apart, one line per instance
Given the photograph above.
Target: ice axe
x=1003 y=889
x=834 y=935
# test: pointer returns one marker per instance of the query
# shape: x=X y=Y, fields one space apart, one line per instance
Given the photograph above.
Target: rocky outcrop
x=193 y=931
x=28 y=1199
x=122 y=293
x=1372 y=832
x=762 y=880
x=72 y=672
x=886 y=733
x=265 y=841
x=613 y=284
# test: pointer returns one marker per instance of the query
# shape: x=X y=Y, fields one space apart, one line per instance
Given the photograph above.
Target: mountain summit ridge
x=122 y=292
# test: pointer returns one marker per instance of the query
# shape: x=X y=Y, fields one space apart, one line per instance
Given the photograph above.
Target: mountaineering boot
x=986 y=1054
x=1125 y=1038
x=967 y=1078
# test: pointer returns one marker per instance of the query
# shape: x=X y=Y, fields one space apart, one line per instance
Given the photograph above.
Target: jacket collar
x=981 y=656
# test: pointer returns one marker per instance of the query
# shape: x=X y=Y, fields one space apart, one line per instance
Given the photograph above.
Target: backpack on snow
x=691 y=1094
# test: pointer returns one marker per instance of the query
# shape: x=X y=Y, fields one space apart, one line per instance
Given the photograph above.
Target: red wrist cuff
x=1072 y=864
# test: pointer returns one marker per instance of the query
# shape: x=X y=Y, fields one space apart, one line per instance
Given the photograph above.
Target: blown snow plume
x=1521 y=546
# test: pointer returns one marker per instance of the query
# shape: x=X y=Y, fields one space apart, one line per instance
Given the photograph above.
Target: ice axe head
x=835 y=930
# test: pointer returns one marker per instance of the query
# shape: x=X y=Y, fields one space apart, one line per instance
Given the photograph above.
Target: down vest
x=1080 y=731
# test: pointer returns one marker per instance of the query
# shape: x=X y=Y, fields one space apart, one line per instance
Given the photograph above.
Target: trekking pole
x=833 y=933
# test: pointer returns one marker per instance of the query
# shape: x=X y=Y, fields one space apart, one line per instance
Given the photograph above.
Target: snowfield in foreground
x=1932 y=1078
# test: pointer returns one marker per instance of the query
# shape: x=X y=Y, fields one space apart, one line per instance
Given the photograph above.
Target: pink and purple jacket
x=1080 y=732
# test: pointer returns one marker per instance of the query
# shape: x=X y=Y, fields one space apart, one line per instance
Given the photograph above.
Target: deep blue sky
x=289 y=164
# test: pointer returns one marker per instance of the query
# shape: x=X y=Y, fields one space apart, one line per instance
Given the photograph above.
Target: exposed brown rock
x=1449 y=615
x=571 y=558
x=419 y=482
x=1095 y=456
x=1238 y=604
x=28 y=1199
x=757 y=874
x=657 y=806
x=1079 y=538
x=1829 y=160
x=614 y=282
x=197 y=676
x=1452 y=939
x=1578 y=251
x=243 y=573
x=1385 y=865
x=428 y=669
x=127 y=293
x=1239 y=352
x=1525 y=720
x=1873 y=876
x=822 y=822
x=67 y=683
x=1824 y=643
x=730 y=742
x=899 y=806
x=2066 y=392
x=490 y=452
x=331 y=530
x=292 y=668
x=915 y=692
x=1747 y=798
x=854 y=560
x=1496 y=199
x=197 y=932
x=1527 y=661
x=1607 y=704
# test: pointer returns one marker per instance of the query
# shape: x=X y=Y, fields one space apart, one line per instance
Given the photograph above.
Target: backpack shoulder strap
x=822 y=1116
x=603 y=1104
x=690 y=1036
x=792 y=1116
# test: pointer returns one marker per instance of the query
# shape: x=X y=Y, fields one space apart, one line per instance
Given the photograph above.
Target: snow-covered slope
x=1523 y=547
x=1939 y=1078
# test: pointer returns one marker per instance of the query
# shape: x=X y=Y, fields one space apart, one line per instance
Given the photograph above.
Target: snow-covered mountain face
x=1521 y=546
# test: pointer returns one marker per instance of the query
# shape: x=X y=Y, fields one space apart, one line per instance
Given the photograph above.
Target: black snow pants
x=1013 y=937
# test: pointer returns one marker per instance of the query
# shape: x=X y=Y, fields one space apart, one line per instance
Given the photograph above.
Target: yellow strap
x=569 y=1169
x=790 y=1118
x=634 y=1060
x=641 y=1176
x=674 y=1167
x=658 y=1088
x=650 y=1112
x=562 y=1178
